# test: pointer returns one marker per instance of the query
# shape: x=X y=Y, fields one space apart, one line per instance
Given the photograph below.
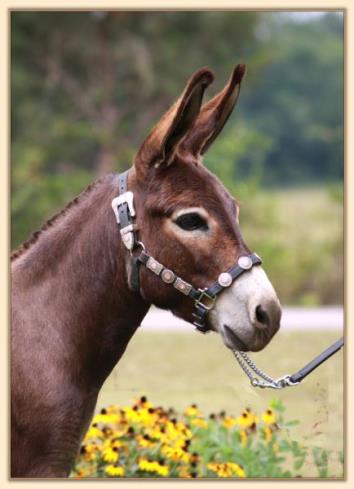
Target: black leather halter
x=204 y=299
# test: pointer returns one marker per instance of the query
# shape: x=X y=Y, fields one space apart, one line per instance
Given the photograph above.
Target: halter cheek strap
x=204 y=299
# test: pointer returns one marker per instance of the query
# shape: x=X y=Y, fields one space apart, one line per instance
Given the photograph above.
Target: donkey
x=80 y=288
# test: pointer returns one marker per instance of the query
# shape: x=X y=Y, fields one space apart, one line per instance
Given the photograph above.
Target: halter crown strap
x=204 y=299
x=123 y=208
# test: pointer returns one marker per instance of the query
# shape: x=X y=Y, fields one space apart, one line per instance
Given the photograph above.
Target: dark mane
x=54 y=219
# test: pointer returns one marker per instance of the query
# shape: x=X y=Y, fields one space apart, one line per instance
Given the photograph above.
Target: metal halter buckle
x=208 y=297
x=126 y=198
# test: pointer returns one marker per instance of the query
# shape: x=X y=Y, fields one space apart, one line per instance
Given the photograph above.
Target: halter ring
x=208 y=297
x=139 y=244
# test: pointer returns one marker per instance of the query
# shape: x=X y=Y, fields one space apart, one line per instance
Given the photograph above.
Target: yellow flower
x=227 y=469
x=112 y=443
x=147 y=416
x=118 y=433
x=131 y=414
x=155 y=433
x=162 y=470
x=143 y=402
x=145 y=441
x=106 y=418
x=192 y=411
x=237 y=469
x=175 y=453
x=220 y=469
x=268 y=433
x=269 y=417
x=94 y=432
x=153 y=466
x=243 y=437
x=229 y=422
x=199 y=422
x=89 y=451
x=114 y=470
x=110 y=454
x=116 y=443
x=247 y=419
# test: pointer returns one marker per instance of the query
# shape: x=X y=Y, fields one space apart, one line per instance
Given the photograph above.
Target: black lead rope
x=316 y=362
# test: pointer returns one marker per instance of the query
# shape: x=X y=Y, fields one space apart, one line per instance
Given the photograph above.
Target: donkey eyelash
x=192 y=222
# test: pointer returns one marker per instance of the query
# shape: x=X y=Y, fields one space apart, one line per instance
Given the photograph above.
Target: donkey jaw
x=247 y=315
x=231 y=339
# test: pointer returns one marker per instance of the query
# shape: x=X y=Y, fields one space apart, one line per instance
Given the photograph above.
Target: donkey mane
x=34 y=237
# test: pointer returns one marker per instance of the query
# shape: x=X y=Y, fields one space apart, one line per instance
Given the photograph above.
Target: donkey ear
x=160 y=145
x=214 y=115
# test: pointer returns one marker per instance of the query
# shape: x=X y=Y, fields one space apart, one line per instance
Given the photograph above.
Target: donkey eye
x=191 y=222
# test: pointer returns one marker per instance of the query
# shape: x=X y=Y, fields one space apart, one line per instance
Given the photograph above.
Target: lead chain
x=245 y=362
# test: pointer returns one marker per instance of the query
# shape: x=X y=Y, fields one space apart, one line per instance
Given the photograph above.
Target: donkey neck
x=78 y=266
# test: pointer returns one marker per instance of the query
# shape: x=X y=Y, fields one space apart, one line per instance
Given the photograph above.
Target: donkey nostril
x=262 y=316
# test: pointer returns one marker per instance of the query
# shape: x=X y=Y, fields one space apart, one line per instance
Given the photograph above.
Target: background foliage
x=87 y=87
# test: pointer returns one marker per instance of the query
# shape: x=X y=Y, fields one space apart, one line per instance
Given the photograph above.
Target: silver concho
x=154 y=265
x=244 y=262
x=225 y=279
x=182 y=286
x=168 y=276
x=128 y=240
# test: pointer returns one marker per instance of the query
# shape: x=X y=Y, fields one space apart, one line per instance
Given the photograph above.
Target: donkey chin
x=247 y=315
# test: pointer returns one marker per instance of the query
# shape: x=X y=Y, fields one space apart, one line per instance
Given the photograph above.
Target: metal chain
x=268 y=382
x=255 y=368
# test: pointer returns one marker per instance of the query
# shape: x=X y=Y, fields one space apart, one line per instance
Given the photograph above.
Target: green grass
x=176 y=369
x=299 y=235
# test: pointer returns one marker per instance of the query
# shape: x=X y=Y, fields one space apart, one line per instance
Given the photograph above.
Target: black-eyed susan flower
x=131 y=414
x=93 y=432
x=237 y=469
x=243 y=437
x=175 y=453
x=89 y=451
x=114 y=470
x=153 y=466
x=269 y=417
x=229 y=421
x=247 y=419
x=268 y=433
x=192 y=410
x=110 y=454
x=107 y=418
x=199 y=422
x=227 y=469
x=144 y=441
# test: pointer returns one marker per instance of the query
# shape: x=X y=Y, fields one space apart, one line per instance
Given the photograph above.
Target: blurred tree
x=87 y=86
x=297 y=103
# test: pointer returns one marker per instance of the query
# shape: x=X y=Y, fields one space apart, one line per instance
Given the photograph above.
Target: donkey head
x=189 y=222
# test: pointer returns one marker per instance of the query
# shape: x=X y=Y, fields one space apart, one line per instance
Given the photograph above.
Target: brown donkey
x=80 y=288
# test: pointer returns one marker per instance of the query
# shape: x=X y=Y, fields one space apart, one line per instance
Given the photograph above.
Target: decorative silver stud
x=154 y=265
x=245 y=262
x=168 y=276
x=182 y=286
x=225 y=279
x=128 y=240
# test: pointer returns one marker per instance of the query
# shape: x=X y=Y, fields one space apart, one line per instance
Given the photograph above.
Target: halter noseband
x=204 y=299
